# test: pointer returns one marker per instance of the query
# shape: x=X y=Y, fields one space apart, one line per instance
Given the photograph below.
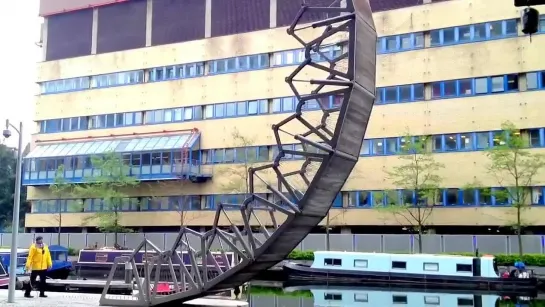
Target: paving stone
x=54 y=299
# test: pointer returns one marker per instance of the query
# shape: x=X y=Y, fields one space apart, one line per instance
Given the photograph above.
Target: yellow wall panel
x=216 y=133
x=461 y=61
x=483 y=113
x=472 y=216
x=258 y=84
x=188 y=52
x=443 y=15
x=479 y=113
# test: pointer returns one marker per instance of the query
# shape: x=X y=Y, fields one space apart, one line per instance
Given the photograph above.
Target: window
x=333 y=296
x=451 y=142
x=361 y=297
x=359 y=263
x=431 y=266
x=464 y=268
x=449 y=88
x=399 y=299
x=450 y=197
x=466 y=141
x=464 y=33
x=449 y=36
x=468 y=196
x=332 y=262
x=495 y=29
x=512 y=82
x=462 y=301
x=497 y=84
x=511 y=27
x=399 y=265
x=479 y=31
x=483 y=140
x=435 y=37
x=532 y=81
x=534 y=137
x=481 y=86
x=465 y=87
x=432 y=300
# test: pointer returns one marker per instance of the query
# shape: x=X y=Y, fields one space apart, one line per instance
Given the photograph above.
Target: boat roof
x=360 y=254
x=57 y=248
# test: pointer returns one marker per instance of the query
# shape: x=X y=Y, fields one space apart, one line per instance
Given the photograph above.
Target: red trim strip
x=82 y=8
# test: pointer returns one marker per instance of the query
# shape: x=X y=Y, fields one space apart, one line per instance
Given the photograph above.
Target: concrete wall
x=339 y=242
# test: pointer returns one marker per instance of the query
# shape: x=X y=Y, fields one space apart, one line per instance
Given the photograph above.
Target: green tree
x=514 y=168
x=63 y=190
x=109 y=183
x=8 y=165
x=417 y=175
x=237 y=173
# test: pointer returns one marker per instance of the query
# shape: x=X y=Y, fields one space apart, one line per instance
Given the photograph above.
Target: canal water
x=354 y=296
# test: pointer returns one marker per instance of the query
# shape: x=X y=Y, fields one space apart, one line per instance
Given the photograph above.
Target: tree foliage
x=238 y=182
x=416 y=174
x=109 y=182
x=514 y=168
x=8 y=165
x=63 y=190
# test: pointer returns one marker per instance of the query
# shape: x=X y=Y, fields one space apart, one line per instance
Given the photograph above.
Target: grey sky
x=20 y=30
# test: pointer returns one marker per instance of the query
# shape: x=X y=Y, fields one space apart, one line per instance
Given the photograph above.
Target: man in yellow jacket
x=38 y=262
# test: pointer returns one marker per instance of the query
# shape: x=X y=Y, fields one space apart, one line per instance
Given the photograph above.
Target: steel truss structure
x=329 y=144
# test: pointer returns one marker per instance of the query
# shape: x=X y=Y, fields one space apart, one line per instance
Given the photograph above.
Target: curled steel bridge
x=328 y=143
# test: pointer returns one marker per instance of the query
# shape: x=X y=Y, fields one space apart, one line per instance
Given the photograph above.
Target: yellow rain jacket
x=38 y=258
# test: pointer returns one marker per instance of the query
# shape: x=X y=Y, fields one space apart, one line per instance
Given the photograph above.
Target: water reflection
x=316 y=296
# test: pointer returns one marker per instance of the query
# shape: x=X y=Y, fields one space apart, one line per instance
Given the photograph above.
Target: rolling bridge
x=330 y=143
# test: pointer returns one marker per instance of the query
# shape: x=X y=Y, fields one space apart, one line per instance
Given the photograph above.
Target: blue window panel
x=338 y=201
x=474 y=33
x=499 y=199
x=537 y=194
x=469 y=197
x=365 y=148
x=542 y=24
x=117 y=79
x=535 y=80
x=65 y=85
x=253 y=107
x=377 y=147
x=238 y=64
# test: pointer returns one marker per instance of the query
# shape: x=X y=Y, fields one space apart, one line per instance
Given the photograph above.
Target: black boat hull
x=301 y=273
x=59 y=273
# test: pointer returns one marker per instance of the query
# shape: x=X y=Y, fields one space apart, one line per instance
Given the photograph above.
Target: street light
x=16 y=207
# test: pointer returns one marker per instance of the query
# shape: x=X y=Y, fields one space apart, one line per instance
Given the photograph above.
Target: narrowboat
x=61 y=267
x=4 y=277
x=98 y=262
x=353 y=296
x=414 y=270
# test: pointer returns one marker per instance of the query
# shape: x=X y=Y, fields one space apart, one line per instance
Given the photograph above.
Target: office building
x=164 y=82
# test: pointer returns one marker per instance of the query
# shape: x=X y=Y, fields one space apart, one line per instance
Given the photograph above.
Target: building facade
x=187 y=90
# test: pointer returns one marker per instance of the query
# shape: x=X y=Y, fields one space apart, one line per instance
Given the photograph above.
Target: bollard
x=128 y=272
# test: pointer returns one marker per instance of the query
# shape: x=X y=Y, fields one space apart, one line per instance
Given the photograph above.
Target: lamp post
x=16 y=207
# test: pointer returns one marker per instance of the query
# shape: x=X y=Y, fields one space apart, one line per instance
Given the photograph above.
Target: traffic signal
x=530 y=21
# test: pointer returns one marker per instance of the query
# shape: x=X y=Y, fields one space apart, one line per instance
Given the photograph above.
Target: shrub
x=503 y=259
x=72 y=251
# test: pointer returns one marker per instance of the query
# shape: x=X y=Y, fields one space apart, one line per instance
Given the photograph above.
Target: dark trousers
x=41 y=284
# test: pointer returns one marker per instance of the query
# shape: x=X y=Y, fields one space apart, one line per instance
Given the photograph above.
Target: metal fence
x=493 y=244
